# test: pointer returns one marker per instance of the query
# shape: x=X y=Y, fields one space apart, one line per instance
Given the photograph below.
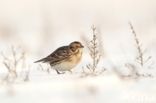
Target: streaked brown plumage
x=64 y=58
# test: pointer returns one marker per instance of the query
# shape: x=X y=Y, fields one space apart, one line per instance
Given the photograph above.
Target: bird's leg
x=70 y=71
x=59 y=72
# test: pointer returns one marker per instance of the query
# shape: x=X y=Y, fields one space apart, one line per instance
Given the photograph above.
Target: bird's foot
x=59 y=72
x=70 y=71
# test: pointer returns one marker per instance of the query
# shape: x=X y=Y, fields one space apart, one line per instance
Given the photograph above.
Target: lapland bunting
x=64 y=58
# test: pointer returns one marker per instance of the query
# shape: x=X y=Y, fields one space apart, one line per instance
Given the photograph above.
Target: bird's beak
x=82 y=46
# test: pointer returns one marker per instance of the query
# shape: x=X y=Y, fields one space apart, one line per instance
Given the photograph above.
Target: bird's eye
x=77 y=46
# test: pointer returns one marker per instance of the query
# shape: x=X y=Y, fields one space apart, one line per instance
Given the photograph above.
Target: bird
x=64 y=58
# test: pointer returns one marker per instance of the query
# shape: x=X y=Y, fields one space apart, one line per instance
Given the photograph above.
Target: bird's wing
x=58 y=55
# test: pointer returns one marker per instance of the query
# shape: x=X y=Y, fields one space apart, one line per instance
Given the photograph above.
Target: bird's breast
x=77 y=57
x=70 y=62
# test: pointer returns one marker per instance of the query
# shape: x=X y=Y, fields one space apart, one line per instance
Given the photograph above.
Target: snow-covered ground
x=72 y=89
x=40 y=26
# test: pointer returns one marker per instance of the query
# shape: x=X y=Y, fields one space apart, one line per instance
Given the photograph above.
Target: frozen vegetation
x=118 y=63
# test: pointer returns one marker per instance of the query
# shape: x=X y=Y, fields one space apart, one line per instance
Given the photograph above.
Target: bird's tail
x=41 y=60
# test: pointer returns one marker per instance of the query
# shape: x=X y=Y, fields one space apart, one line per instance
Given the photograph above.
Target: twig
x=93 y=47
x=140 y=58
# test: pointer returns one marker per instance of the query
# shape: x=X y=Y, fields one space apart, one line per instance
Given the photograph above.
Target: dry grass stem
x=94 y=52
x=14 y=62
x=41 y=68
x=141 y=59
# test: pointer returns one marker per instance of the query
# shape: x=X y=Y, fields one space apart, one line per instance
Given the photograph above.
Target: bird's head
x=75 y=46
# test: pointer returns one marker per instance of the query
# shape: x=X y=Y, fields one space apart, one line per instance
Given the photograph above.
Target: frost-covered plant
x=141 y=59
x=95 y=54
x=12 y=62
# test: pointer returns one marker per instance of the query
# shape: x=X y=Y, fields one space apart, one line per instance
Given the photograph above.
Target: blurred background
x=40 y=26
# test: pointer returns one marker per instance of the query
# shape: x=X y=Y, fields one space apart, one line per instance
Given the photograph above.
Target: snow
x=40 y=26
x=69 y=88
